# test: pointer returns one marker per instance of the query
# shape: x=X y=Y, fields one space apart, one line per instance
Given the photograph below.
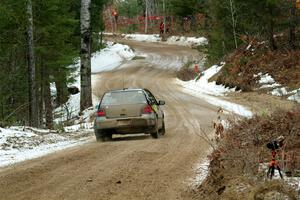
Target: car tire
x=108 y=137
x=100 y=137
x=163 y=129
x=156 y=133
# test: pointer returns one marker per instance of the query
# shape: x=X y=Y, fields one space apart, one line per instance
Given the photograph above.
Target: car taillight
x=100 y=113
x=147 y=110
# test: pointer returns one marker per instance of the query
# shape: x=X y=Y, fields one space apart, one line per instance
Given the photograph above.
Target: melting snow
x=201 y=170
x=175 y=40
x=279 y=92
x=142 y=37
x=187 y=41
x=294 y=182
x=296 y=96
x=107 y=59
x=22 y=143
x=204 y=86
x=204 y=89
x=111 y=57
x=266 y=81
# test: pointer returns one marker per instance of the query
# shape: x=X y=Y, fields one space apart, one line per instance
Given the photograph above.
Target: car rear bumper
x=143 y=124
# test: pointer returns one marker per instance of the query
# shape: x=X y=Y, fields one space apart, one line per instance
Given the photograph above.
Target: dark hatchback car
x=129 y=111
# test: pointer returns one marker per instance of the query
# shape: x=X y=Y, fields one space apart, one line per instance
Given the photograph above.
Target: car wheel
x=155 y=134
x=108 y=137
x=100 y=137
x=163 y=129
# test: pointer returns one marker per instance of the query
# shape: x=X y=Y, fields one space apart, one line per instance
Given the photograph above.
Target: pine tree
x=33 y=108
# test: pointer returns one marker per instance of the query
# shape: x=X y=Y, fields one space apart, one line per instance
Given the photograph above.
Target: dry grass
x=282 y=64
x=234 y=164
x=186 y=73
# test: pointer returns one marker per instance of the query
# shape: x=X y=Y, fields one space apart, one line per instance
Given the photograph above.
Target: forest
x=39 y=39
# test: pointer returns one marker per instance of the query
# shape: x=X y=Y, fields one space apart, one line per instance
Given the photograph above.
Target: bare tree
x=292 y=25
x=47 y=101
x=146 y=16
x=85 y=55
x=164 y=11
x=271 y=25
x=33 y=107
x=233 y=21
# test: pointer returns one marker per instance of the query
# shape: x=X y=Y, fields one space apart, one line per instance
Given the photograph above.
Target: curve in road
x=130 y=167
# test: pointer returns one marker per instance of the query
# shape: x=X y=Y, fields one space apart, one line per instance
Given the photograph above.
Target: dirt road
x=133 y=167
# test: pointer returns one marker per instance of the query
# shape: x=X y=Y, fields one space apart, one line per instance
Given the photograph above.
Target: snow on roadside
x=23 y=143
x=111 y=57
x=107 y=59
x=293 y=182
x=204 y=86
x=174 y=40
x=265 y=78
x=201 y=170
x=266 y=81
x=187 y=41
x=226 y=105
x=142 y=37
x=204 y=89
x=279 y=92
x=296 y=96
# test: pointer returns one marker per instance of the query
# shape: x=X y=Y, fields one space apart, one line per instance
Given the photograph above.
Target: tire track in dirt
x=130 y=167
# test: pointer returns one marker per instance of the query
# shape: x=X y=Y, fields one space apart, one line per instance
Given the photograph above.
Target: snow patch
x=142 y=37
x=279 y=92
x=22 y=143
x=111 y=57
x=204 y=89
x=274 y=85
x=295 y=97
x=294 y=182
x=266 y=81
x=187 y=41
x=174 y=40
x=231 y=107
x=107 y=59
x=201 y=170
x=204 y=86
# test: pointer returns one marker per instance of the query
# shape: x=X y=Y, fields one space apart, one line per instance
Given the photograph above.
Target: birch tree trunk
x=164 y=10
x=33 y=107
x=146 y=17
x=85 y=55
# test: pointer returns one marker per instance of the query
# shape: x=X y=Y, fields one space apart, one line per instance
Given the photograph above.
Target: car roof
x=126 y=89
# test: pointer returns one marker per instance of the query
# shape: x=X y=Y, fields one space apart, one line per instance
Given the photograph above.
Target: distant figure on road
x=161 y=28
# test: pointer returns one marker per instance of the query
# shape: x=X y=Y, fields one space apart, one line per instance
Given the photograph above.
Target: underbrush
x=186 y=73
x=235 y=168
x=256 y=57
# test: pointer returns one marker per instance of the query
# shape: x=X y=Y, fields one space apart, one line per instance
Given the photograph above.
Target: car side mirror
x=161 y=103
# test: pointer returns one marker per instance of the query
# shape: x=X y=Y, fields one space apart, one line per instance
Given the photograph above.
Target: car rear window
x=124 y=97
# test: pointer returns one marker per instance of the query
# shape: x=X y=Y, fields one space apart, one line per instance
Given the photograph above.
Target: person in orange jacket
x=161 y=27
